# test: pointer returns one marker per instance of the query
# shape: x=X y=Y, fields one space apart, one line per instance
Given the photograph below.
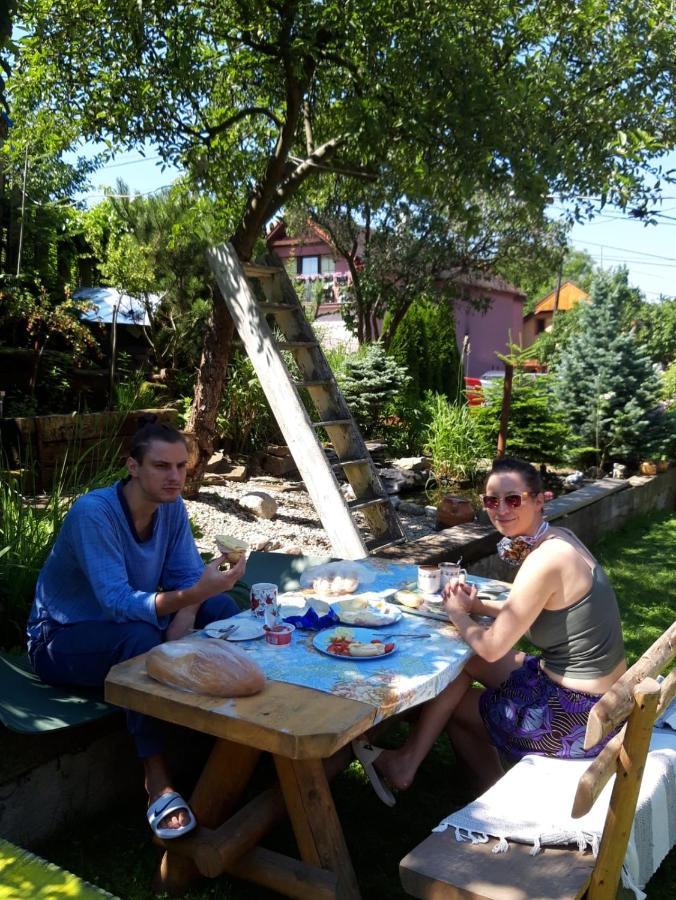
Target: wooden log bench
x=25 y=876
x=443 y=868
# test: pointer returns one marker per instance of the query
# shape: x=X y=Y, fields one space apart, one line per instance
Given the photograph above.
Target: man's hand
x=459 y=596
x=211 y=582
x=182 y=623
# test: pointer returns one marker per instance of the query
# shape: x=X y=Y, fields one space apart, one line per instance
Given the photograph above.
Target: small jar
x=279 y=635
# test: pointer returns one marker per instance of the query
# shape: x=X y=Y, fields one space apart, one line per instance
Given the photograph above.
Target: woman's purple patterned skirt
x=530 y=713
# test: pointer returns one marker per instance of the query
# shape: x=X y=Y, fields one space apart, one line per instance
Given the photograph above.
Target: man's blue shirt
x=99 y=569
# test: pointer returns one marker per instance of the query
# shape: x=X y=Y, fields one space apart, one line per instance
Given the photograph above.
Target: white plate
x=323 y=638
x=375 y=618
x=246 y=630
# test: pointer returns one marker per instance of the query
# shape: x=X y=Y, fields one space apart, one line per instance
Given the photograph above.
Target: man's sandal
x=367 y=754
x=164 y=806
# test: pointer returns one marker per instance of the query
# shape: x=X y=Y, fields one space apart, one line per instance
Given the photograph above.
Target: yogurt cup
x=279 y=635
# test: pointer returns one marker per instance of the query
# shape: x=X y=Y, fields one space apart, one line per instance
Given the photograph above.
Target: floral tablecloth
x=418 y=670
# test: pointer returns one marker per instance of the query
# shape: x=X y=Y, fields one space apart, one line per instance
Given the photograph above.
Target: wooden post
x=630 y=765
x=506 y=403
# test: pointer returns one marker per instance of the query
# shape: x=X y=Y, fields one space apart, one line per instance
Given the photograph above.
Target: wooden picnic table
x=304 y=730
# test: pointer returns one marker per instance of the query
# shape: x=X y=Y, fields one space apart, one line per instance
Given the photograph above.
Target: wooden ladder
x=299 y=430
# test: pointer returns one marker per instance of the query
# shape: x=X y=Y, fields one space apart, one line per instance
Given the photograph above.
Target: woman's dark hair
x=529 y=473
x=149 y=430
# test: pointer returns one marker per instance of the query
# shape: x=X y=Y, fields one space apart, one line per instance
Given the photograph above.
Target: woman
x=562 y=601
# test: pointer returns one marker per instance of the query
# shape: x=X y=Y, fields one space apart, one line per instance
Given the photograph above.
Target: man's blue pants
x=83 y=653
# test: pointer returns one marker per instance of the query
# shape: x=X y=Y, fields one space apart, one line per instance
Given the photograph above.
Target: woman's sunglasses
x=513 y=501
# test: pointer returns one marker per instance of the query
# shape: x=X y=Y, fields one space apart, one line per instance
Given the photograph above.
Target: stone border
x=598 y=507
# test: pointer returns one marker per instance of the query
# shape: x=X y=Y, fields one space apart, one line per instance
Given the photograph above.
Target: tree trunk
x=504 y=414
x=209 y=387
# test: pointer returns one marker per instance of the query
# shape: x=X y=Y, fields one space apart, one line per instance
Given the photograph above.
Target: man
x=123 y=576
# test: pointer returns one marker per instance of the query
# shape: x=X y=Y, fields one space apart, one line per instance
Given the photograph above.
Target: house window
x=308 y=265
x=328 y=264
x=540 y=326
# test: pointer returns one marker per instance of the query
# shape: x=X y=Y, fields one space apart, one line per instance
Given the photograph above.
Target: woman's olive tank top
x=584 y=640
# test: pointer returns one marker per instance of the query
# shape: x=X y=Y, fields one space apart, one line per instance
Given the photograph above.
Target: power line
x=624 y=250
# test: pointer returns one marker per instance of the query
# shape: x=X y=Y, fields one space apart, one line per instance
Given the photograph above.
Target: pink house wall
x=489 y=331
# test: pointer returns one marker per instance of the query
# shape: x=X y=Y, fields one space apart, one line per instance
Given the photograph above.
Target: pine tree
x=605 y=382
x=370 y=380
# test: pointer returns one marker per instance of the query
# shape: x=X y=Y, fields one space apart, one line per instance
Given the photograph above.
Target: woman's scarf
x=515 y=550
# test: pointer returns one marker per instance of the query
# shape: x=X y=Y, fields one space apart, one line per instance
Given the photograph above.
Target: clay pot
x=648 y=467
x=453 y=511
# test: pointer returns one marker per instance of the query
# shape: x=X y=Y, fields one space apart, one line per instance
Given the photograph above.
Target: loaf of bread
x=334 y=586
x=205 y=666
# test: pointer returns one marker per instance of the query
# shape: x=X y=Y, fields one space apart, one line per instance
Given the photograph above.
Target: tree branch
x=309 y=139
x=213 y=130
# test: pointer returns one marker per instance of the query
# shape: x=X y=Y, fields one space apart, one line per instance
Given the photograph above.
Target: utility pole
x=23 y=210
x=558 y=287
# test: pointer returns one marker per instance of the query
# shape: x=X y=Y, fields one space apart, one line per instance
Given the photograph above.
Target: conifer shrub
x=537 y=430
x=370 y=381
x=425 y=344
x=606 y=386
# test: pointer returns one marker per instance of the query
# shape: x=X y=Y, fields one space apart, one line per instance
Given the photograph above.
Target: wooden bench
x=442 y=868
x=25 y=876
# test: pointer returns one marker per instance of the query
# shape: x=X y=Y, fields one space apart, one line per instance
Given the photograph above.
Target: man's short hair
x=149 y=430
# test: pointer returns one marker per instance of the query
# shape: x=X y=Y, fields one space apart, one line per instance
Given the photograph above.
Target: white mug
x=429 y=579
x=263 y=596
x=449 y=571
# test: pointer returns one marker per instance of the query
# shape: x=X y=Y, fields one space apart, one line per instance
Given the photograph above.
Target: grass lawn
x=117 y=853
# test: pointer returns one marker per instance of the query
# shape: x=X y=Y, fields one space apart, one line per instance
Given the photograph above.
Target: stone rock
x=377 y=450
x=263 y=542
x=221 y=466
x=412 y=463
x=397 y=481
x=347 y=491
x=412 y=509
x=573 y=482
x=292 y=549
x=278 y=465
x=260 y=504
x=281 y=451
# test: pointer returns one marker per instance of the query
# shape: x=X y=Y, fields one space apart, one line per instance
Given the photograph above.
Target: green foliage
x=134 y=392
x=245 y=421
x=549 y=345
x=605 y=383
x=668 y=390
x=660 y=436
x=536 y=430
x=425 y=345
x=156 y=244
x=370 y=381
x=454 y=440
x=33 y=319
x=656 y=329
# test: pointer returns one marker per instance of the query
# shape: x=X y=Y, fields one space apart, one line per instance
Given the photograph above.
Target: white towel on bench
x=531 y=804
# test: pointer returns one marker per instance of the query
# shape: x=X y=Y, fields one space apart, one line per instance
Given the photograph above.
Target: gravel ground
x=296 y=527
